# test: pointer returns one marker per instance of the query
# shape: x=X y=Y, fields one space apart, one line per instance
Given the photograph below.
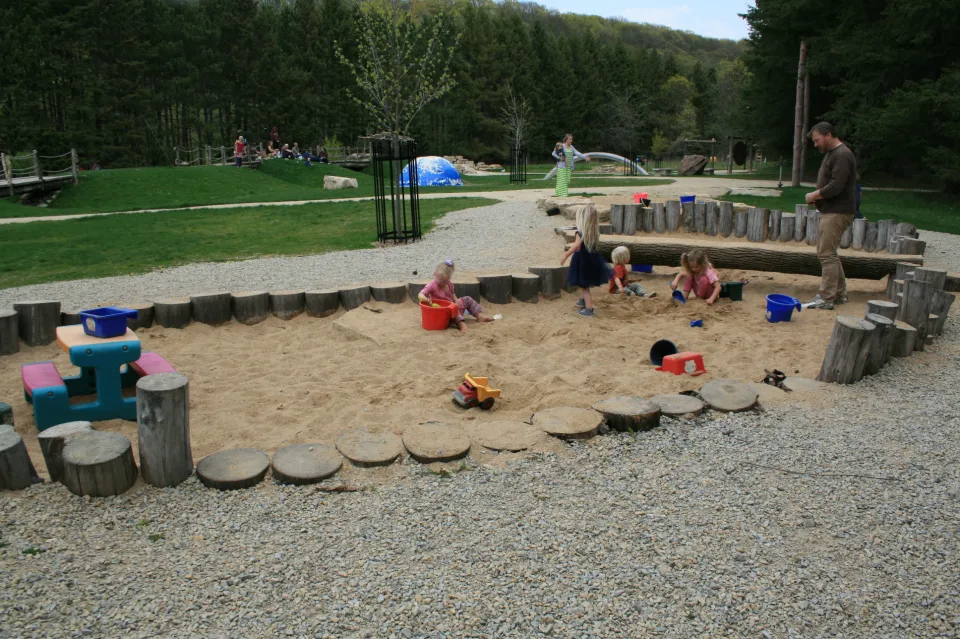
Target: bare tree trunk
x=806 y=124
x=798 y=116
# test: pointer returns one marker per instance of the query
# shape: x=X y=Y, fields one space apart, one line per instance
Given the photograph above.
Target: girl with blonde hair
x=442 y=288
x=700 y=277
x=587 y=268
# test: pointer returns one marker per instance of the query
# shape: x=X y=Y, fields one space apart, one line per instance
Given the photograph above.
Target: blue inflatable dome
x=432 y=171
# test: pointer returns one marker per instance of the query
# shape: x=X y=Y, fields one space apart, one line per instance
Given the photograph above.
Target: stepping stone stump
x=287 y=304
x=233 y=469
x=389 y=292
x=163 y=429
x=366 y=449
x=467 y=287
x=52 y=442
x=70 y=318
x=251 y=307
x=629 y=413
x=300 y=464
x=98 y=464
x=37 y=322
x=496 y=289
x=567 y=422
x=728 y=396
x=526 y=287
x=172 y=313
x=211 y=308
x=904 y=340
x=883 y=308
x=414 y=288
x=354 y=297
x=322 y=303
x=436 y=442
x=145 y=315
x=802 y=385
x=505 y=435
x=767 y=392
x=553 y=280
x=678 y=405
x=16 y=469
x=9 y=333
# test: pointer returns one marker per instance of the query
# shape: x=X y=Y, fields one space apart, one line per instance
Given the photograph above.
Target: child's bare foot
x=484 y=318
x=462 y=326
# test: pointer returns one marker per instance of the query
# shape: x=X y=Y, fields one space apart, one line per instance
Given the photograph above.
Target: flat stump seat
x=675 y=405
x=568 y=422
x=728 y=396
x=506 y=435
x=436 y=442
x=629 y=413
x=301 y=464
x=233 y=469
x=364 y=448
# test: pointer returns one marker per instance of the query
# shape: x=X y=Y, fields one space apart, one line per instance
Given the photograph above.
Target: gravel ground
x=473 y=238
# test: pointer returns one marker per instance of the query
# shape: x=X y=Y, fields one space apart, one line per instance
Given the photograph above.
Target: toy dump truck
x=475 y=391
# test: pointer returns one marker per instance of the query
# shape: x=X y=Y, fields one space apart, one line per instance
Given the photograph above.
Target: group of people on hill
x=275 y=150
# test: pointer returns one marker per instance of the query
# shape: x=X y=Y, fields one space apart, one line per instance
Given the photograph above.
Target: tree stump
x=859 y=227
x=647 y=215
x=324 y=303
x=98 y=464
x=70 y=318
x=787 y=221
x=905 y=228
x=883 y=308
x=847 y=238
x=916 y=308
x=678 y=405
x=526 y=287
x=728 y=396
x=233 y=469
x=910 y=246
x=144 y=319
x=413 y=289
x=884 y=233
x=211 y=308
x=813 y=226
x=353 y=297
x=688 y=217
x=436 y=442
x=725 y=219
x=713 y=219
x=251 y=307
x=496 y=289
x=605 y=229
x=163 y=429
x=37 y=322
x=9 y=333
x=902 y=269
x=659 y=217
x=172 y=313
x=288 y=304
x=553 y=280
x=470 y=287
x=16 y=469
x=800 y=224
x=6 y=414
x=847 y=352
x=616 y=218
x=740 y=224
x=630 y=212
x=870 y=238
x=935 y=277
x=629 y=413
x=302 y=464
x=366 y=449
x=904 y=340
x=506 y=435
x=672 y=215
x=879 y=353
x=567 y=422
x=941 y=302
x=52 y=440
x=389 y=292
x=775 y=218
x=758 y=224
x=700 y=217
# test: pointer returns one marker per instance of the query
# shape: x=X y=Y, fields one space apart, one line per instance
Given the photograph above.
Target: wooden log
x=163 y=429
x=52 y=440
x=893 y=246
x=251 y=307
x=787 y=222
x=389 y=292
x=496 y=288
x=758 y=224
x=910 y=246
x=884 y=233
x=847 y=351
x=6 y=414
x=567 y=422
x=352 y=297
x=233 y=469
x=687 y=217
x=630 y=219
x=902 y=269
x=605 y=229
x=37 y=321
x=800 y=225
x=629 y=413
x=288 y=304
x=847 y=238
x=211 y=308
x=713 y=218
x=725 y=219
x=414 y=288
x=905 y=228
x=813 y=227
x=468 y=287
x=16 y=469
x=775 y=219
x=700 y=217
x=897 y=295
x=616 y=218
x=941 y=301
x=145 y=314
x=172 y=313
x=931 y=328
x=904 y=339
x=302 y=464
x=916 y=308
x=526 y=287
x=324 y=303
x=98 y=464
x=859 y=227
x=740 y=224
x=870 y=237
x=69 y=318
x=879 y=353
x=553 y=280
x=9 y=332
x=882 y=308
x=935 y=277
x=647 y=215
x=659 y=217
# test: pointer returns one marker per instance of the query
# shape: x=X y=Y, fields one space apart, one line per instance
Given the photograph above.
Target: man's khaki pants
x=832 y=226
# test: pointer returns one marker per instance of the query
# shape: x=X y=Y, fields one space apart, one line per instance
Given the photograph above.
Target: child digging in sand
x=700 y=277
x=442 y=288
x=620 y=281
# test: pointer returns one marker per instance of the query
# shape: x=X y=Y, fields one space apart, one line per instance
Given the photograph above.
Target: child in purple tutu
x=442 y=288
x=587 y=268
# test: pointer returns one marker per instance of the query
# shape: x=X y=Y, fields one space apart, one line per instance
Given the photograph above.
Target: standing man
x=836 y=199
x=238 y=147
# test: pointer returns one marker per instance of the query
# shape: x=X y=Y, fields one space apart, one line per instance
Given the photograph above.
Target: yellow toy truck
x=475 y=391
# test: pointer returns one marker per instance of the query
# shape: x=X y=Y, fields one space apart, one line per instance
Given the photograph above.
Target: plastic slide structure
x=604 y=156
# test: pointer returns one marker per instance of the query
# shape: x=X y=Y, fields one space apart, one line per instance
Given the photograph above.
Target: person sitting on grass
x=700 y=277
x=442 y=288
x=620 y=281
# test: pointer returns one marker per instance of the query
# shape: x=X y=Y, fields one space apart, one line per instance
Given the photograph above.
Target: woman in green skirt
x=567 y=157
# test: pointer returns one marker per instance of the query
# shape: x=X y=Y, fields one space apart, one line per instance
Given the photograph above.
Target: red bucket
x=437 y=318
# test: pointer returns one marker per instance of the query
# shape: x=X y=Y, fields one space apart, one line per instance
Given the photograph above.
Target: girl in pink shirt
x=700 y=277
x=442 y=288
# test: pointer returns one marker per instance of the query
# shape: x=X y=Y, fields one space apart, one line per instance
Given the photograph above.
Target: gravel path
x=505 y=236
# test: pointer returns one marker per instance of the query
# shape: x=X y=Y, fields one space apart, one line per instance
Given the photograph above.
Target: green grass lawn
x=929 y=211
x=124 y=244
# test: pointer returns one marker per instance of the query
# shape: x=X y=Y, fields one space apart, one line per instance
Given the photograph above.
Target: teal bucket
x=780 y=307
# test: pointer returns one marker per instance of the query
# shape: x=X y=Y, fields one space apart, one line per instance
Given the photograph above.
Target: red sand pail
x=437 y=319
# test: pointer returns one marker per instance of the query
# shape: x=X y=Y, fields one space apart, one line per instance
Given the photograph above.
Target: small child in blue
x=587 y=268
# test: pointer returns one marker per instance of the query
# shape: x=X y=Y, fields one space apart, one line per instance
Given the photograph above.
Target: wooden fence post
x=8 y=169
x=73 y=166
x=223 y=156
x=36 y=166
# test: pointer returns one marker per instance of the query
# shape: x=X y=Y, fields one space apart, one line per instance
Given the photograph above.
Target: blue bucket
x=678 y=296
x=688 y=199
x=642 y=268
x=780 y=307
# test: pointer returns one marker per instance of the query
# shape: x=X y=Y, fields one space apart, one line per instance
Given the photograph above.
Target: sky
x=711 y=18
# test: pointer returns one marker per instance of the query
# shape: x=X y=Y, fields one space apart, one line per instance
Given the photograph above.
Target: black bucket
x=660 y=350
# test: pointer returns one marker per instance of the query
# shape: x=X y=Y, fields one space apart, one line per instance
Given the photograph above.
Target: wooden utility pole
x=806 y=124
x=798 y=117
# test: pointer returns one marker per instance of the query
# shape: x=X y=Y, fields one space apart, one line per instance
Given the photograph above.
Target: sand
x=306 y=380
